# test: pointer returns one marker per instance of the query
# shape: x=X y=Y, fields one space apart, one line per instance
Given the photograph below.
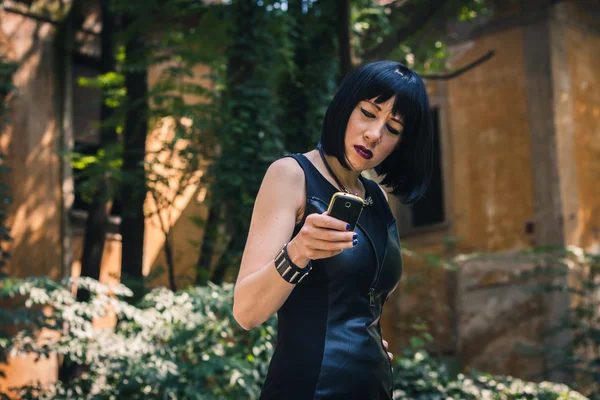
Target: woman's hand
x=321 y=236
x=385 y=346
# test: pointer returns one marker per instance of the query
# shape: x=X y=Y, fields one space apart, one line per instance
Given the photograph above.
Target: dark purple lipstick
x=364 y=152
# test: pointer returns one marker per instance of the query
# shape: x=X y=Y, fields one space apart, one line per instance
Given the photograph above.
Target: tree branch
x=43 y=19
x=417 y=16
x=460 y=71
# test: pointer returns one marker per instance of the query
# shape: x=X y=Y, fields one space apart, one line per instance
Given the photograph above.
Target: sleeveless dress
x=329 y=343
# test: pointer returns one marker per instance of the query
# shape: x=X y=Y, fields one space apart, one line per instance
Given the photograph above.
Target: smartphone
x=346 y=207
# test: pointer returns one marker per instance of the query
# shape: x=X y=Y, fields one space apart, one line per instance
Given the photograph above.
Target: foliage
x=305 y=90
x=418 y=377
x=171 y=345
x=425 y=48
x=249 y=138
x=183 y=101
x=7 y=69
x=188 y=345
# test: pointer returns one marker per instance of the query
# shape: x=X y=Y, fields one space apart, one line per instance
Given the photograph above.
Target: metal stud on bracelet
x=289 y=271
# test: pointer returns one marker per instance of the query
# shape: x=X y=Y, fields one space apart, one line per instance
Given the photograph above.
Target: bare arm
x=260 y=291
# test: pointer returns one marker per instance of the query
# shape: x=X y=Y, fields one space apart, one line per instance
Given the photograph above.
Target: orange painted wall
x=31 y=144
x=583 y=47
x=486 y=167
x=491 y=180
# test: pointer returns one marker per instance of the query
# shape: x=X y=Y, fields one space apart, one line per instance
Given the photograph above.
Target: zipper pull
x=372 y=297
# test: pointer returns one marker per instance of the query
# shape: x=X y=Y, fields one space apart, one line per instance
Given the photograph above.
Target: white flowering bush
x=183 y=345
x=418 y=377
x=186 y=345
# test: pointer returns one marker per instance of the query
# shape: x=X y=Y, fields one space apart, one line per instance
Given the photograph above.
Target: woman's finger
x=332 y=235
x=325 y=221
x=391 y=356
x=385 y=344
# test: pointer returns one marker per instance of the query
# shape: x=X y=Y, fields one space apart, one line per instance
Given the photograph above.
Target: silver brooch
x=368 y=201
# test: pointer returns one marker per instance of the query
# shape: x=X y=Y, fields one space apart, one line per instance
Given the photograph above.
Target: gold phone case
x=348 y=196
x=344 y=195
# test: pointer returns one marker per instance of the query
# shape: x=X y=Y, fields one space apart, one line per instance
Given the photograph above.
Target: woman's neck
x=348 y=178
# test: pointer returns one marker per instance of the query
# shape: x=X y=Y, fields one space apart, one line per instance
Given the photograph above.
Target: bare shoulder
x=284 y=181
x=288 y=170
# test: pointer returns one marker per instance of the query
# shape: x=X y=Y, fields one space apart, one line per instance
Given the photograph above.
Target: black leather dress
x=329 y=343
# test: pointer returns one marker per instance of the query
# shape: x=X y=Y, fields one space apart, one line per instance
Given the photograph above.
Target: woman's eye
x=392 y=130
x=366 y=113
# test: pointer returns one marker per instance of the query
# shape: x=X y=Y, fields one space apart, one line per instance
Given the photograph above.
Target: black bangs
x=405 y=88
x=407 y=170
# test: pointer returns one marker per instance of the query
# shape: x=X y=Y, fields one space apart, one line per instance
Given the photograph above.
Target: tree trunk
x=225 y=261
x=64 y=43
x=170 y=262
x=96 y=223
x=343 y=27
x=208 y=244
x=133 y=185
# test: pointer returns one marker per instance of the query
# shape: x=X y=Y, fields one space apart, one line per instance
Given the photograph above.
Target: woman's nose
x=373 y=134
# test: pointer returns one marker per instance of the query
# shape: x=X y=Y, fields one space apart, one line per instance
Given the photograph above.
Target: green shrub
x=418 y=377
x=186 y=345
x=183 y=345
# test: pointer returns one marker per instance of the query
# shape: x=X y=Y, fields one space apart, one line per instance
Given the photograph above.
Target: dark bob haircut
x=407 y=169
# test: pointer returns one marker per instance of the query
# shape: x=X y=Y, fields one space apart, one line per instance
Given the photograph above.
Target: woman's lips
x=364 y=152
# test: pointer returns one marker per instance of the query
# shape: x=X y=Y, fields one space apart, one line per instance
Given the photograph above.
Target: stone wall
x=484 y=310
x=497 y=312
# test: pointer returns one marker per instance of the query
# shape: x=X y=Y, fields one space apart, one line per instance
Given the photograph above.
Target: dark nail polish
x=355 y=236
x=354 y=242
x=348 y=227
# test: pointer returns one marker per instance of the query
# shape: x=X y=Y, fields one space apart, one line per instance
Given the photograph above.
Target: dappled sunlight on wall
x=30 y=142
x=185 y=236
x=182 y=205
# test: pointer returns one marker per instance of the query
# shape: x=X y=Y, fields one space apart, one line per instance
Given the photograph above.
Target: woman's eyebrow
x=379 y=108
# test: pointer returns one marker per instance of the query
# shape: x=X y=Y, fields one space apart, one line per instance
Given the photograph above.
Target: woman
x=329 y=343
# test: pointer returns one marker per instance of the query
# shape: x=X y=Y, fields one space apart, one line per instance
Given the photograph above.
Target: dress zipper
x=377 y=272
x=372 y=297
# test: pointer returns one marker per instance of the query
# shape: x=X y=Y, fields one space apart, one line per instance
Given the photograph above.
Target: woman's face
x=372 y=134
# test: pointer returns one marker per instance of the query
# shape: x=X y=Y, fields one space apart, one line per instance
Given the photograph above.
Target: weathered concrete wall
x=491 y=178
x=488 y=184
x=425 y=296
x=582 y=48
x=496 y=312
x=30 y=142
x=492 y=198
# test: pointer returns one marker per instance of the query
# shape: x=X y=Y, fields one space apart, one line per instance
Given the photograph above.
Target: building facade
x=517 y=166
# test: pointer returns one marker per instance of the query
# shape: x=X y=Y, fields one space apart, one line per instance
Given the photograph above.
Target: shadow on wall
x=31 y=143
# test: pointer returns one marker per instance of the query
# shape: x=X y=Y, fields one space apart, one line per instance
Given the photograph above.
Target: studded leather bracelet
x=289 y=271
